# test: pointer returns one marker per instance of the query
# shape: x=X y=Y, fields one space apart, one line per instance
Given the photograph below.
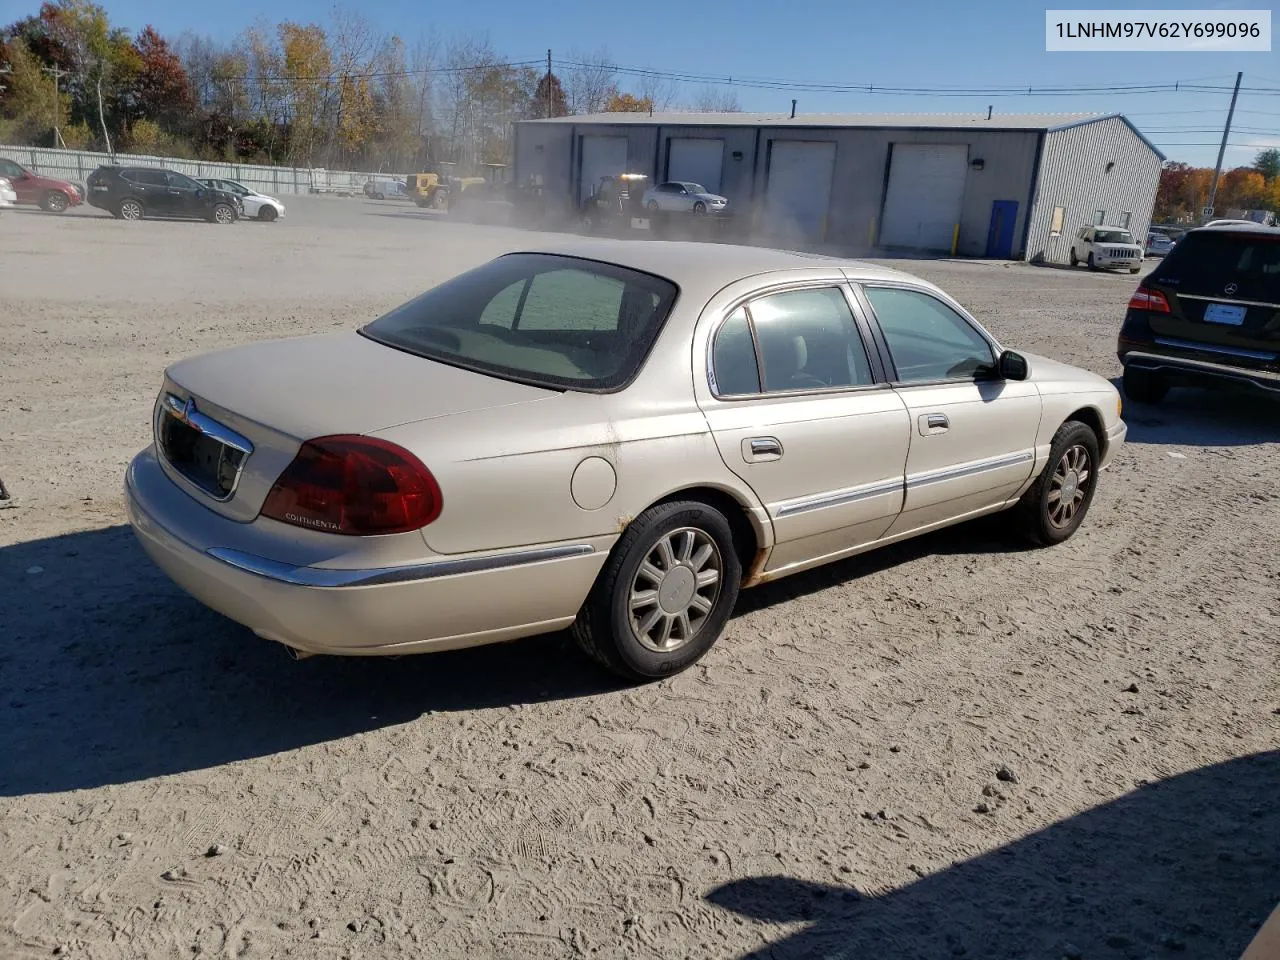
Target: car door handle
x=176 y=193
x=756 y=449
x=931 y=423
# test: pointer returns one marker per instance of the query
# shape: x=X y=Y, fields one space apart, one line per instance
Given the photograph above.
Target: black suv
x=1208 y=315
x=131 y=193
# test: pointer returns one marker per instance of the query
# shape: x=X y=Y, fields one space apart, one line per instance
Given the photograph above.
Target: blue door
x=1004 y=213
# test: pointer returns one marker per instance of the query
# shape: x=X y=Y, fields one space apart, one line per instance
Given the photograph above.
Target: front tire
x=699 y=209
x=664 y=595
x=1055 y=505
x=1092 y=265
x=1144 y=386
x=54 y=201
x=1134 y=269
x=1075 y=261
x=267 y=213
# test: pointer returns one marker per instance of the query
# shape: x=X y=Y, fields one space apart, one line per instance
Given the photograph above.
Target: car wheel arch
x=1092 y=418
x=749 y=535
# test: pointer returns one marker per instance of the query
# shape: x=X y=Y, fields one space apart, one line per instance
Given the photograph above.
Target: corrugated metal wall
x=1074 y=176
x=76 y=165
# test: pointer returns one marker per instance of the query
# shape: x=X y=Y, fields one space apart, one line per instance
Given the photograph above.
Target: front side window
x=550 y=320
x=927 y=339
x=181 y=181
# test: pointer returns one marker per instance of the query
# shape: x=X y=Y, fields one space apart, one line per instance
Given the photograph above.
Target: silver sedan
x=682 y=197
x=613 y=437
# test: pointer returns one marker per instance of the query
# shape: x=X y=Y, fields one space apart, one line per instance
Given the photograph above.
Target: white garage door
x=926 y=190
x=798 y=192
x=601 y=157
x=696 y=160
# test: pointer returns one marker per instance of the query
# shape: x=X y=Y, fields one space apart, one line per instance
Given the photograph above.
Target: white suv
x=1107 y=247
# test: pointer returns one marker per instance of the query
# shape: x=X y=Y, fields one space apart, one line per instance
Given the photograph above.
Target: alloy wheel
x=675 y=588
x=1069 y=486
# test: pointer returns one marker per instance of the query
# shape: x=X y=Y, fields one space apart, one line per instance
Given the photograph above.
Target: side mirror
x=1012 y=366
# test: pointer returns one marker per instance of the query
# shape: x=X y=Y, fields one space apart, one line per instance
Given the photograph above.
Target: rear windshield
x=1206 y=263
x=548 y=320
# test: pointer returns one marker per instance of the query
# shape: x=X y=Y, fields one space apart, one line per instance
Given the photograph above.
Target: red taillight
x=356 y=486
x=1153 y=300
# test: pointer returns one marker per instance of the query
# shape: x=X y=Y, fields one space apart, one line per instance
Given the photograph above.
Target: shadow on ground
x=1188 y=866
x=109 y=673
x=1203 y=418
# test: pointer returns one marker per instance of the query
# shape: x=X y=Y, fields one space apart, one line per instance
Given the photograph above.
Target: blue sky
x=916 y=43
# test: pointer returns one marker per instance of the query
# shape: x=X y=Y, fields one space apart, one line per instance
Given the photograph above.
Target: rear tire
x=130 y=209
x=379 y=196
x=223 y=213
x=1055 y=505
x=1144 y=386
x=665 y=593
x=54 y=201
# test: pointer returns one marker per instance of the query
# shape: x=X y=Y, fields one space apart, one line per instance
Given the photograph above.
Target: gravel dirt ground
x=953 y=747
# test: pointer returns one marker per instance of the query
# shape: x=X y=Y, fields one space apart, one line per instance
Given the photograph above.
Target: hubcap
x=675 y=589
x=1069 y=486
x=223 y=215
x=131 y=211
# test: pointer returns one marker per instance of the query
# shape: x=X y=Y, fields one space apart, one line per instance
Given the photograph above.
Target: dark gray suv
x=1209 y=315
x=131 y=193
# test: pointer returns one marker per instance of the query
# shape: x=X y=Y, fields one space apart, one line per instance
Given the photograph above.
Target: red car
x=52 y=195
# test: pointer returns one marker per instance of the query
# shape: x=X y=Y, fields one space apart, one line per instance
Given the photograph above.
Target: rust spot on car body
x=756 y=573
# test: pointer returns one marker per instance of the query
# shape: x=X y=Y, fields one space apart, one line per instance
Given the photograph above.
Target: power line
x=377 y=74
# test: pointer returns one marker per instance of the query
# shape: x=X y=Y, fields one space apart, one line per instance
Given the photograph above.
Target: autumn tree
x=627 y=103
x=28 y=110
x=163 y=90
x=549 y=97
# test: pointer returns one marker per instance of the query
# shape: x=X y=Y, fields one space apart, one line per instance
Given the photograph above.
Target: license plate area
x=1226 y=313
x=203 y=451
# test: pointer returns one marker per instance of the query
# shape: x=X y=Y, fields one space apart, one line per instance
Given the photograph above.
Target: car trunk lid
x=227 y=423
x=1223 y=291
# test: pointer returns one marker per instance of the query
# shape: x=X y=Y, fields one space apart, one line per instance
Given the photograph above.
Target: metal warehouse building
x=1014 y=186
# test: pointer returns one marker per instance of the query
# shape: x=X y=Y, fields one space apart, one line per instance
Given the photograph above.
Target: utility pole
x=57 y=73
x=548 y=84
x=1226 y=132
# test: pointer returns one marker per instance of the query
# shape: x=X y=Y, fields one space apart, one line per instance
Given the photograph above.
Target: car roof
x=712 y=265
x=1243 y=226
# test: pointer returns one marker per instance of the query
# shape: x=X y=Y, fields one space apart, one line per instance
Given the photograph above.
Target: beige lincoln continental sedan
x=612 y=436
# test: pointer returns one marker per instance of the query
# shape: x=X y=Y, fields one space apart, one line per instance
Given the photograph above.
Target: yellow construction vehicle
x=427 y=190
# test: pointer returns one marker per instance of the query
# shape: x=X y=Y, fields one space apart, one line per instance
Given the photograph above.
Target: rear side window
x=1207 y=263
x=155 y=178
x=733 y=358
x=553 y=321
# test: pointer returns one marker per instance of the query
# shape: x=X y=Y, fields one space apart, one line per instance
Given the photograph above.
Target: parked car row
x=132 y=193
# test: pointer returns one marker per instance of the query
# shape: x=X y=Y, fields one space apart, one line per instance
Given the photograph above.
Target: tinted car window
x=927 y=339
x=1204 y=263
x=572 y=324
x=733 y=358
x=155 y=178
x=181 y=181
x=808 y=341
